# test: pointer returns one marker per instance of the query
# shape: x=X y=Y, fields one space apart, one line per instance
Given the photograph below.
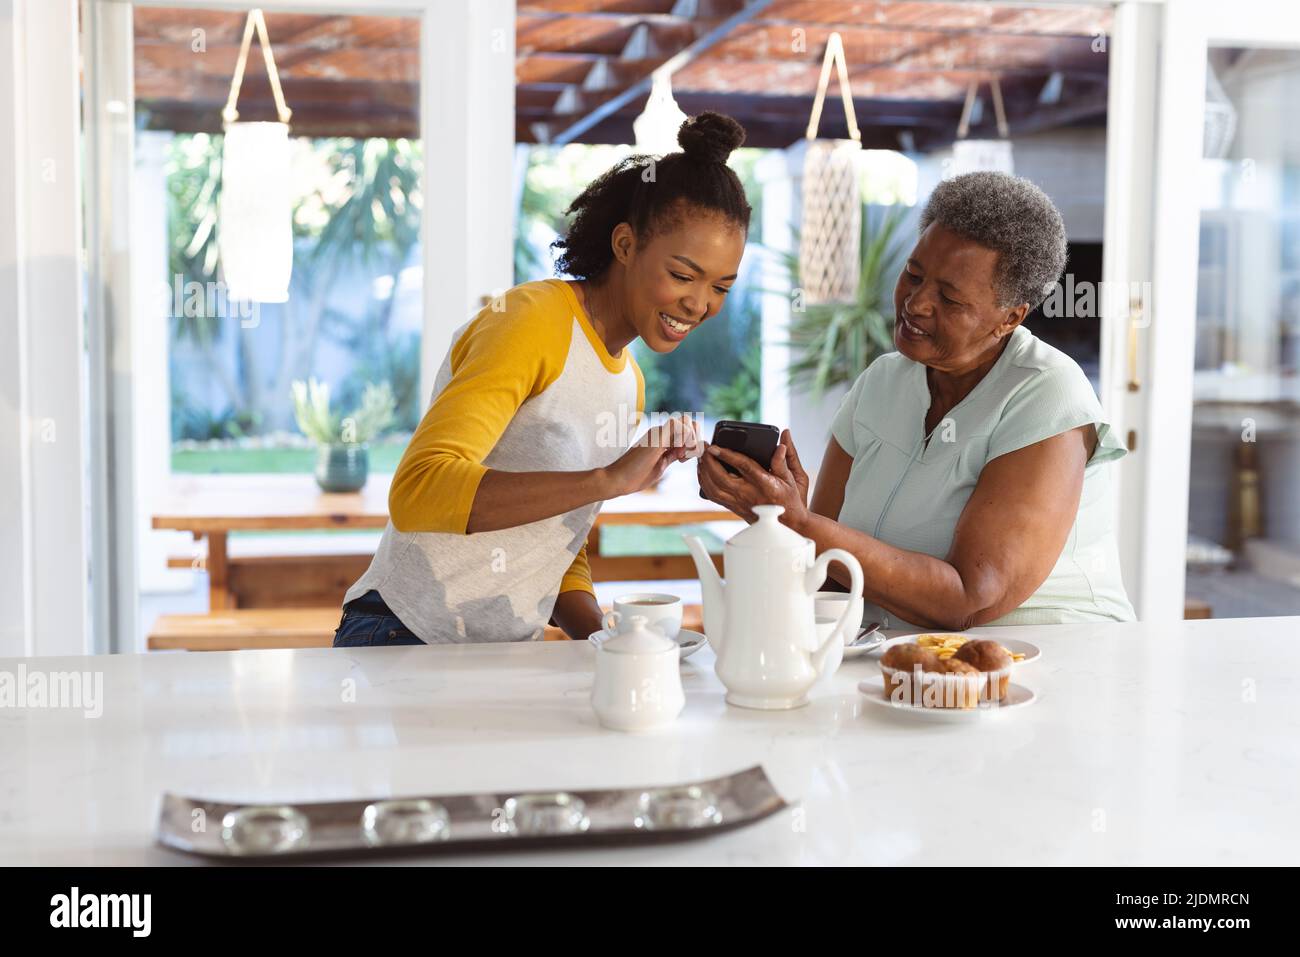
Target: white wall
x=151 y=376
x=43 y=510
x=469 y=55
x=15 y=466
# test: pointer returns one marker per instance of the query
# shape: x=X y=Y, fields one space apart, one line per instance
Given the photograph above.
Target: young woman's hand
x=785 y=485
x=676 y=440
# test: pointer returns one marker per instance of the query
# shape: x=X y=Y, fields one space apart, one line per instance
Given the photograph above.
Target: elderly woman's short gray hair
x=1011 y=216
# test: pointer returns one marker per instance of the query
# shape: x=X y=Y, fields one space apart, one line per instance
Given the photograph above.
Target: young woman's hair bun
x=710 y=137
x=651 y=192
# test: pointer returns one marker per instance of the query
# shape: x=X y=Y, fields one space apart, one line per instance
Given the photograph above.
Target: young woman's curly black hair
x=650 y=194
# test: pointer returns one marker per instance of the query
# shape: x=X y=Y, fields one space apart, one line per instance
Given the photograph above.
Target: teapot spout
x=711 y=587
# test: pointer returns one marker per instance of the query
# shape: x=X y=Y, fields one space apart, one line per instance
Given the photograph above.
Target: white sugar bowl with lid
x=638 y=684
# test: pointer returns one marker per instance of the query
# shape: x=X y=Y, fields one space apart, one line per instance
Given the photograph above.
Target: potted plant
x=343 y=456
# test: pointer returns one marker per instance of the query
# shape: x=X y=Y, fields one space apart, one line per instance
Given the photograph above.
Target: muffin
x=919 y=677
x=962 y=683
x=900 y=665
x=992 y=660
x=905 y=656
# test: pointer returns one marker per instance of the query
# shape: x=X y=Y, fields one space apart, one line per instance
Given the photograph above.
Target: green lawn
x=383 y=458
x=616 y=540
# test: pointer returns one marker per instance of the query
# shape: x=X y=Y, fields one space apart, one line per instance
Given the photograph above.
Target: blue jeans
x=360 y=628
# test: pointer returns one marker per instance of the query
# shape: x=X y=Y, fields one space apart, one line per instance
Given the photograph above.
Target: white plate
x=1013 y=645
x=688 y=642
x=1018 y=696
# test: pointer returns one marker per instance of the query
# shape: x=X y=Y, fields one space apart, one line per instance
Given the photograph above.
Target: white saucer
x=861 y=650
x=1013 y=645
x=688 y=642
x=1018 y=696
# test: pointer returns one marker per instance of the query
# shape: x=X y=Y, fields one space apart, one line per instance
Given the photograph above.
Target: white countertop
x=1175 y=744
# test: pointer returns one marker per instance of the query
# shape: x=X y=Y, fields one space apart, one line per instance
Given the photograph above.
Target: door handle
x=1135 y=310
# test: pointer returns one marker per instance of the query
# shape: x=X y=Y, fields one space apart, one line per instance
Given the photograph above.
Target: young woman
x=527 y=433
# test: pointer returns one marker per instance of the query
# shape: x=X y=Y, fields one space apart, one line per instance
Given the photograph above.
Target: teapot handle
x=813 y=581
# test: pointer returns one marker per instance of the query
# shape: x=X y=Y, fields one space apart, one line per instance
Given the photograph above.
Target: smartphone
x=754 y=439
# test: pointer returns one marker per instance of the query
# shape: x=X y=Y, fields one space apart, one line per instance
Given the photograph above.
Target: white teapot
x=761 y=622
x=638 y=684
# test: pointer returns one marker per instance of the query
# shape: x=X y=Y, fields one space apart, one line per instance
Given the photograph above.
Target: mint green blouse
x=910 y=494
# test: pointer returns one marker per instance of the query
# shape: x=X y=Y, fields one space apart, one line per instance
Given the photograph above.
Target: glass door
x=1243 y=520
x=1220 y=520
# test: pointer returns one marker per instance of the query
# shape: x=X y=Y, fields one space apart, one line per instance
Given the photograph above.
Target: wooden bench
x=235 y=630
x=260 y=628
x=286 y=571
x=278 y=571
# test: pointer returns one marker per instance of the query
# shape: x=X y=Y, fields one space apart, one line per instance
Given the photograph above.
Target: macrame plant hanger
x=255 y=226
x=830 y=236
x=983 y=154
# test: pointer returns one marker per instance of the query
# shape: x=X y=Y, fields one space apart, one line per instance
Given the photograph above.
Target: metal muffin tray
x=466 y=822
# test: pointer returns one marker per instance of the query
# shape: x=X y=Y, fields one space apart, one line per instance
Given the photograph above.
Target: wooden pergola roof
x=582 y=67
x=342 y=75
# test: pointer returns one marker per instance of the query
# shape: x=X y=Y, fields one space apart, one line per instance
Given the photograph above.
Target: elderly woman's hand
x=785 y=485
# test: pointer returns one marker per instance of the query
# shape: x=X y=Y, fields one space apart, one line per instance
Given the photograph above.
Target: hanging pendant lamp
x=980 y=155
x=656 y=128
x=255 y=217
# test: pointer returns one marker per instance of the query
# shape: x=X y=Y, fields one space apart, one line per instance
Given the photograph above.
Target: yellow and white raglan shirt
x=527 y=386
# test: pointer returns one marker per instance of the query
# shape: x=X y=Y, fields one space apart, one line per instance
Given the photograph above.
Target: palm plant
x=378 y=220
x=741 y=397
x=193 y=171
x=369 y=215
x=833 y=342
x=363 y=208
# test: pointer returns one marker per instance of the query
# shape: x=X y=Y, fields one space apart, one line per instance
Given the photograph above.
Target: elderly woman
x=968 y=470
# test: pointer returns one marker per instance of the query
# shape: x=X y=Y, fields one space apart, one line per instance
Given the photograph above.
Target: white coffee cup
x=662 y=612
x=830 y=604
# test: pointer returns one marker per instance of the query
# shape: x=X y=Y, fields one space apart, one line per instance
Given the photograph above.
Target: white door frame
x=1157 y=502
x=1130 y=171
x=43 y=501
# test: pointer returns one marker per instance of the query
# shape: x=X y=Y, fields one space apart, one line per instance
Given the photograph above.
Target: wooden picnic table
x=213 y=506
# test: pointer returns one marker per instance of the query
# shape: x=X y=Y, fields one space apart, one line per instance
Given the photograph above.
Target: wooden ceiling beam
x=563 y=8
x=184 y=118
x=587 y=36
x=388 y=64
x=752 y=9
x=922 y=48
x=760 y=133
x=225 y=27
x=255 y=101
x=574 y=68
x=955 y=15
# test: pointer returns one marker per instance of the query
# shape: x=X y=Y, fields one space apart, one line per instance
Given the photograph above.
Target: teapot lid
x=638 y=639
x=767 y=532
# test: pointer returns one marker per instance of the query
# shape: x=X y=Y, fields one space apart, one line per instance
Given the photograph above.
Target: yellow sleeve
x=502 y=359
x=640 y=389
x=578 y=577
